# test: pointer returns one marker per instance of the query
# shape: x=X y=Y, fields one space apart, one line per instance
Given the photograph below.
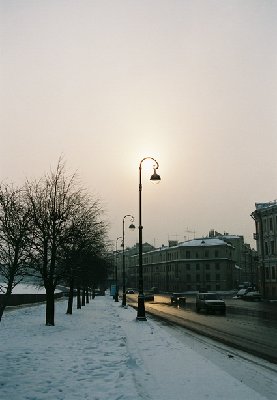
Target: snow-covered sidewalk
x=102 y=353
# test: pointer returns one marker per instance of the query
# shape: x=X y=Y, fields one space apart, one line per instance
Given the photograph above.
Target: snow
x=102 y=353
x=23 y=288
x=204 y=242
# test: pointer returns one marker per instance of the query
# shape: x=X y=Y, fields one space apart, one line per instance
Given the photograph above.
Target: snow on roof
x=204 y=242
x=266 y=205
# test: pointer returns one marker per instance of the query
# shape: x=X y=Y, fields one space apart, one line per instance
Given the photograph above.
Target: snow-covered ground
x=102 y=353
x=24 y=288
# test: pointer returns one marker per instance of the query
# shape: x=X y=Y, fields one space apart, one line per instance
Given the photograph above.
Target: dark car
x=252 y=296
x=210 y=302
x=177 y=298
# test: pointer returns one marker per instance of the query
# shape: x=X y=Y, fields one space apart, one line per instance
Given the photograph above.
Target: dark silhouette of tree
x=53 y=231
x=54 y=201
x=15 y=240
x=86 y=236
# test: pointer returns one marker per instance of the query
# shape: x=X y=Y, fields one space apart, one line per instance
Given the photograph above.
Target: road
x=251 y=327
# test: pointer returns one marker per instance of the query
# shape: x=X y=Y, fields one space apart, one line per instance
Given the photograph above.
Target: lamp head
x=155 y=178
x=132 y=227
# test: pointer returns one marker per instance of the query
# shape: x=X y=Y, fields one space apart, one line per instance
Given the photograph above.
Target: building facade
x=206 y=263
x=244 y=256
x=265 y=217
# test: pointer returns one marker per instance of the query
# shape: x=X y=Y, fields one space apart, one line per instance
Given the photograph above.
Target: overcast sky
x=191 y=83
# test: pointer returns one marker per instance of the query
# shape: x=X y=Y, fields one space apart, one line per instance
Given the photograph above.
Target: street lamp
x=156 y=179
x=116 y=286
x=131 y=227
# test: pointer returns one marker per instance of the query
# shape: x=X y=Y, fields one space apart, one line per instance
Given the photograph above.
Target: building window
x=217 y=266
x=217 y=277
x=187 y=254
x=270 y=224
x=197 y=267
x=208 y=277
x=217 y=287
x=196 y=254
x=207 y=266
x=272 y=247
x=188 y=267
x=267 y=273
x=197 y=277
x=216 y=253
x=188 y=277
x=206 y=253
x=266 y=248
x=273 y=272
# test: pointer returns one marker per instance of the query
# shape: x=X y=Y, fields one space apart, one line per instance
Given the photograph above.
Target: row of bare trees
x=53 y=231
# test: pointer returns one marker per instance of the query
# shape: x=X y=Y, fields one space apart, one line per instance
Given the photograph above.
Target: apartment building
x=206 y=263
x=244 y=256
x=265 y=216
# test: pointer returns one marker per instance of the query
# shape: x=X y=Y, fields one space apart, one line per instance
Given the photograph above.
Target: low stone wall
x=17 y=299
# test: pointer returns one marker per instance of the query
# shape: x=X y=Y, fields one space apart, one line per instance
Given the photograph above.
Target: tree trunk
x=3 y=305
x=87 y=295
x=70 y=298
x=79 y=298
x=5 y=298
x=83 y=297
x=50 y=306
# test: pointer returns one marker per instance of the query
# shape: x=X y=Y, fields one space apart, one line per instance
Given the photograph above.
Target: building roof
x=269 y=204
x=204 y=242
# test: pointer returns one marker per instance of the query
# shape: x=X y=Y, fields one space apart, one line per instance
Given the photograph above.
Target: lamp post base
x=141 y=309
x=123 y=299
x=116 y=297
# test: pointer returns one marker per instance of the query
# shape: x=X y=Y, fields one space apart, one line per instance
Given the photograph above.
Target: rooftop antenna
x=189 y=231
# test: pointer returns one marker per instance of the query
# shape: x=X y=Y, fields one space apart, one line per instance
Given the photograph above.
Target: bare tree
x=86 y=236
x=54 y=201
x=15 y=240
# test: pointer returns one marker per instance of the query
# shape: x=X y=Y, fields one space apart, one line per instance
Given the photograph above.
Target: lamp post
x=116 y=286
x=155 y=178
x=132 y=227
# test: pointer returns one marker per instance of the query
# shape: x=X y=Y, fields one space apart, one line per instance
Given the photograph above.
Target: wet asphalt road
x=248 y=326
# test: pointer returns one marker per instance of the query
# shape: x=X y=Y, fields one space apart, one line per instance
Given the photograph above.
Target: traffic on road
x=249 y=326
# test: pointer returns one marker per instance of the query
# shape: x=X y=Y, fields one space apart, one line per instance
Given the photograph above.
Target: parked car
x=130 y=291
x=210 y=302
x=240 y=293
x=252 y=296
x=177 y=298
